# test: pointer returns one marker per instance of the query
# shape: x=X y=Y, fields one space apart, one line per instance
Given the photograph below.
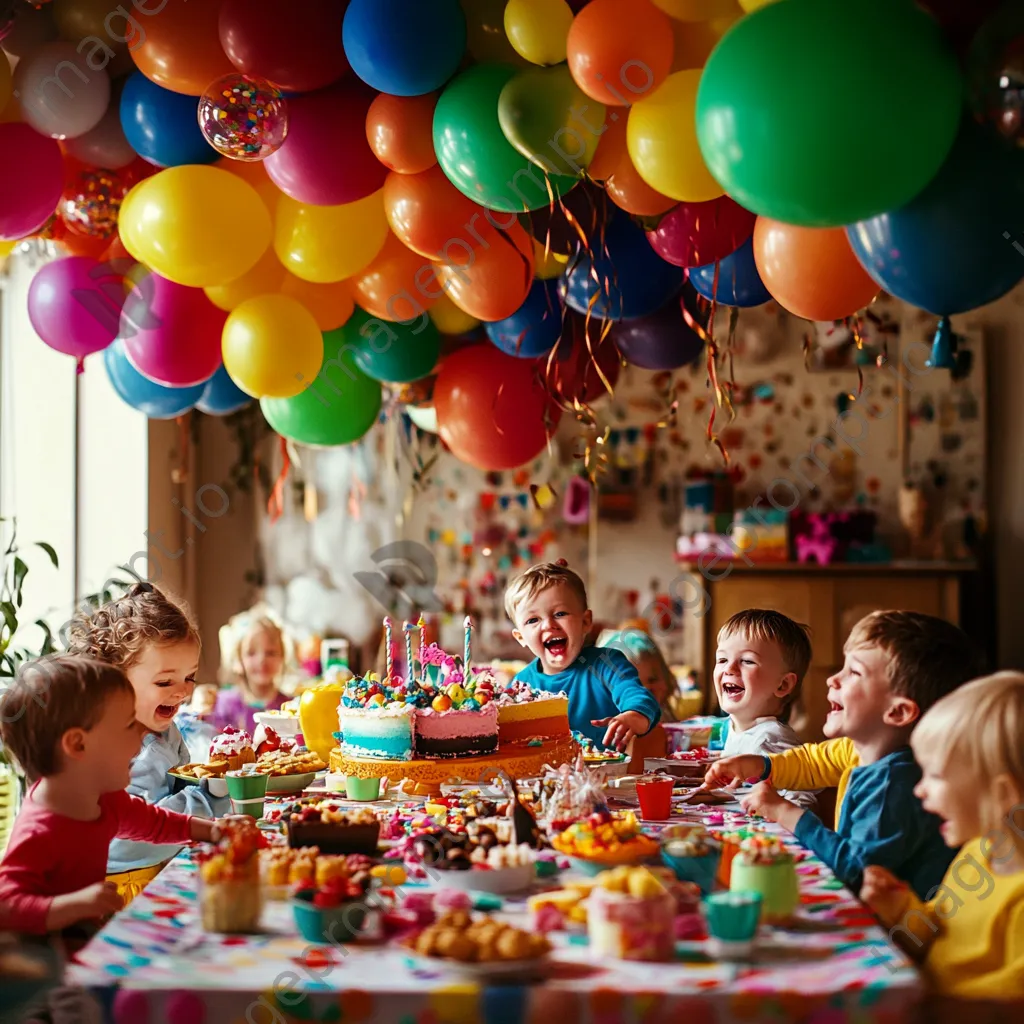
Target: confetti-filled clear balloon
x=243 y=118
x=92 y=201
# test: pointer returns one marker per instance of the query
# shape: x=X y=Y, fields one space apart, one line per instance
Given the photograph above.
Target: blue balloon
x=221 y=395
x=739 y=283
x=404 y=47
x=623 y=277
x=535 y=327
x=155 y=400
x=951 y=248
x=163 y=126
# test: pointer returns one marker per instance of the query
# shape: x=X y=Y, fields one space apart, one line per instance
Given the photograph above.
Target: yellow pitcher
x=318 y=716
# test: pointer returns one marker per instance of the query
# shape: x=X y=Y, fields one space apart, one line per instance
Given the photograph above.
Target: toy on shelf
x=827 y=537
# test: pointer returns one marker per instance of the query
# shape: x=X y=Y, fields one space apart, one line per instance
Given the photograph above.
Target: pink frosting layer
x=446 y=725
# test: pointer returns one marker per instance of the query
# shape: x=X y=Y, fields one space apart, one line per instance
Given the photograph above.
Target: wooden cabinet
x=828 y=599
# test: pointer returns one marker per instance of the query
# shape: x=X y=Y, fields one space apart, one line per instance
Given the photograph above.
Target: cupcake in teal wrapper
x=763 y=865
x=691 y=854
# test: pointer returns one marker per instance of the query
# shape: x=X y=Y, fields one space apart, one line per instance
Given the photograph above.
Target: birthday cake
x=525 y=715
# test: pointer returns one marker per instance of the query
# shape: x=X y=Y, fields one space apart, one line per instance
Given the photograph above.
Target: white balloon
x=424 y=416
x=104 y=145
x=59 y=93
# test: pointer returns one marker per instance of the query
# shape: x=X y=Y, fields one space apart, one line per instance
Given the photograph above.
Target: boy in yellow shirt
x=897 y=665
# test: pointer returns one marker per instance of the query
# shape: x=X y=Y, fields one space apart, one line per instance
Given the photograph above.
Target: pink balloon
x=696 y=234
x=172 y=334
x=75 y=305
x=326 y=159
x=31 y=180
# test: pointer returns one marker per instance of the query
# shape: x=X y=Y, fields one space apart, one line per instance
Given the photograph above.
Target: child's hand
x=203 y=830
x=884 y=894
x=764 y=800
x=729 y=772
x=99 y=900
x=622 y=728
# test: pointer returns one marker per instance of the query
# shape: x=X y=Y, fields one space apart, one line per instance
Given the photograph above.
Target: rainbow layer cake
x=525 y=715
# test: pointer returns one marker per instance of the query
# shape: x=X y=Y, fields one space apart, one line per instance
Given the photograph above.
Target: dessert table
x=152 y=964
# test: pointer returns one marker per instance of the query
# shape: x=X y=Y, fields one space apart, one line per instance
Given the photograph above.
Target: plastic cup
x=247 y=790
x=362 y=789
x=732 y=919
x=655 y=796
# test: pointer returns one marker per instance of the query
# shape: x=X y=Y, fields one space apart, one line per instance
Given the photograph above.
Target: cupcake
x=630 y=914
x=230 y=896
x=233 y=746
x=692 y=854
x=763 y=865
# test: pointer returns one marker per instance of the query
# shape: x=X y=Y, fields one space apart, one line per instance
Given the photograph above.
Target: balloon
x=31 y=180
x=404 y=47
x=492 y=410
x=634 y=280
x=549 y=264
x=272 y=346
x=582 y=370
x=397 y=285
x=694 y=234
x=486 y=40
x=662 y=340
x=697 y=10
x=427 y=212
x=174 y=224
x=60 y=93
x=738 y=281
x=537 y=29
x=662 y=141
x=619 y=50
x=172 y=334
x=812 y=272
x=105 y=145
x=539 y=111
x=559 y=228
x=400 y=131
x=96 y=22
x=474 y=153
x=326 y=160
x=754 y=5
x=69 y=307
x=960 y=20
x=296 y=46
x=91 y=202
x=339 y=408
x=221 y=396
x=178 y=46
x=951 y=249
x=243 y=118
x=424 y=416
x=324 y=244
x=449 y=319
x=330 y=304
x=265 y=278
x=771 y=109
x=160 y=125
x=392 y=352
x=29 y=28
x=534 y=328
x=625 y=188
x=491 y=277
x=995 y=74
x=155 y=400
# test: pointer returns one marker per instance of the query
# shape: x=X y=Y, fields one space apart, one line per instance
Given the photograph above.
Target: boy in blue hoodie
x=607 y=702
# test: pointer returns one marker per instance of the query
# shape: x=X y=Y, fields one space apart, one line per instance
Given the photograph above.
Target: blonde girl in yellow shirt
x=969 y=936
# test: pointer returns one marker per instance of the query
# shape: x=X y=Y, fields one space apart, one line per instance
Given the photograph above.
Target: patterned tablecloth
x=153 y=964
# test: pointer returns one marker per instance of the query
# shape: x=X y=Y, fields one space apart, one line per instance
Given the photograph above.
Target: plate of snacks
x=605 y=839
x=290 y=770
x=194 y=773
x=479 y=947
x=501 y=870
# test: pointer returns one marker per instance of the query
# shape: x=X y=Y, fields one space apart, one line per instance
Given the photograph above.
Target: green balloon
x=794 y=130
x=550 y=119
x=395 y=353
x=337 y=408
x=474 y=153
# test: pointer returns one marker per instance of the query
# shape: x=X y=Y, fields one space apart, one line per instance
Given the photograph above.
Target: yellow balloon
x=196 y=225
x=264 y=279
x=272 y=347
x=696 y=10
x=754 y=5
x=661 y=137
x=549 y=266
x=449 y=319
x=330 y=304
x=537 y=29
x=324 y=244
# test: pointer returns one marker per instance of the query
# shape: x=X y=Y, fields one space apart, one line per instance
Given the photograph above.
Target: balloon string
x=275 y=503
x=80 y=365
x=713 y=368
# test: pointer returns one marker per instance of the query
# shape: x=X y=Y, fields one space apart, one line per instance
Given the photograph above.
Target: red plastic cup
x=655 y=796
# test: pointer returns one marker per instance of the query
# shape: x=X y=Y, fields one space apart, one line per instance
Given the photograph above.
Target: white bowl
x=498 y=881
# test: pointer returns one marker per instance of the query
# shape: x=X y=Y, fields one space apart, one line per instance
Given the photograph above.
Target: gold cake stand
x=520 y=762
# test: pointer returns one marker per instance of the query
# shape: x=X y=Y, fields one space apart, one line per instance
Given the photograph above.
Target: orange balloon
x=400 y=131
x=619 y=50
x=330 y=304
x=812 y=272
x=611 y=148
x=397 y=285
x=179 y=46
x=491 y=279
x=427 y=212
x=625 y=188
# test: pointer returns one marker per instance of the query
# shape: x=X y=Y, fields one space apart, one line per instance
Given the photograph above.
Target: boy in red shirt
x=70 y=724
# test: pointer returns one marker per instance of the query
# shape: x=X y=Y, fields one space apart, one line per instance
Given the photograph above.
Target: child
x=898 y=664
x=646 y=657
x=194 y=721
x=156 y=645
x=70 y=724
x=548 y=605
x=257 y=664
x=760 y=664
x=970 y=936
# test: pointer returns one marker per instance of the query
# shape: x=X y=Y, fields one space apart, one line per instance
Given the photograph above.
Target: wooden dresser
x=828 y=599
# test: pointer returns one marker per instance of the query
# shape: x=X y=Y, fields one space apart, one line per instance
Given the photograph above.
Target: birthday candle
x=465 y=652
x=407 y=629
x=387 y=647
x=422 y=626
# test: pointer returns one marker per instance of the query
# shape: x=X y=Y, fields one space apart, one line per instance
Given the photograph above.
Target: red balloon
x=492 y=409
x=574 y=370
x=696 y=234
x=297 y=46
x=326 y=159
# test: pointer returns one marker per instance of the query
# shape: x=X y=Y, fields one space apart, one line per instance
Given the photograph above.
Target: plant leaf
x=20 y=572
x=48 y=548
x=48 y=646
x=14 y=537
x=10 y=615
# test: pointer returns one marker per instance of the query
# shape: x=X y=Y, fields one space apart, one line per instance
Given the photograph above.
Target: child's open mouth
x=834 y=707
x=167 y=711
x=733 y=690
x=556 y=646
